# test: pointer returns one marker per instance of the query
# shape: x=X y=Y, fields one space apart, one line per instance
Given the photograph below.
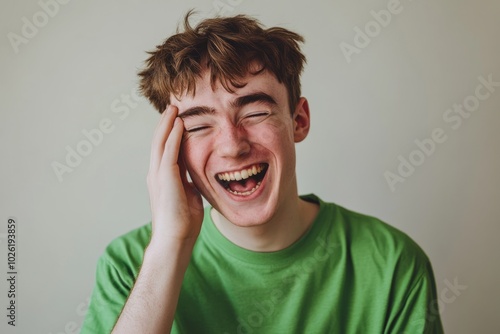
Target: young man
x=260 y=258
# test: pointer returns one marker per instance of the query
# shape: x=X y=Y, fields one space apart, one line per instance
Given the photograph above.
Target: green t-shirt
x=350 y=273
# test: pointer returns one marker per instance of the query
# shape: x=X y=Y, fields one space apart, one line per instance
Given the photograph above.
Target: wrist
x=169 y=249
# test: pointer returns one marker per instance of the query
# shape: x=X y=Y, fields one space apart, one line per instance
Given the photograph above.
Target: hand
x=176 y=205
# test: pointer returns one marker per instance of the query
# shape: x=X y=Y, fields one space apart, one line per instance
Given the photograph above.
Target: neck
x=283 y=230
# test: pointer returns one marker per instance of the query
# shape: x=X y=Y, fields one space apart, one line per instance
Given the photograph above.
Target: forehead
x=218 y=97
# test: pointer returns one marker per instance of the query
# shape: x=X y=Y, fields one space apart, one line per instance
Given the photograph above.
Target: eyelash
x=197 y=129
x=260 y=114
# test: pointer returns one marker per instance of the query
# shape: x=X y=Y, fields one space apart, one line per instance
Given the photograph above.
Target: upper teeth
x=241 y=174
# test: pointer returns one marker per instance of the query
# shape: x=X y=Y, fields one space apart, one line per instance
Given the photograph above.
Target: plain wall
x=75 y=72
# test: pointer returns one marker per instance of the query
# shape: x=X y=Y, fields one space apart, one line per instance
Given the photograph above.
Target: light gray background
x=364 y=115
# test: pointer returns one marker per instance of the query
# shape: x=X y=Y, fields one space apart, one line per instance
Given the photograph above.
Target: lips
x=243 y=182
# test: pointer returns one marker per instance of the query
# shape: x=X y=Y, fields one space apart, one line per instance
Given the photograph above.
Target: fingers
x=173 y=143
x=162 y=132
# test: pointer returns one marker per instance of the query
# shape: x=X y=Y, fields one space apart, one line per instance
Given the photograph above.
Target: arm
x=151 y=305
x=177 y=213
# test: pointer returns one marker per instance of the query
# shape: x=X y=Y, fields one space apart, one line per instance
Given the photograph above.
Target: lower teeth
x=246 y=193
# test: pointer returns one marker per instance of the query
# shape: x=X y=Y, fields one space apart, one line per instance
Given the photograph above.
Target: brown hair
x=227 y=46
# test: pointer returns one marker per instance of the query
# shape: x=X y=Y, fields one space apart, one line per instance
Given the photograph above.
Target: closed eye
x=200 y=128
x=259 y=114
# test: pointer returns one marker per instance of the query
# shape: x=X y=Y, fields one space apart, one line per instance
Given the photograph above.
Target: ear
x=301 y=120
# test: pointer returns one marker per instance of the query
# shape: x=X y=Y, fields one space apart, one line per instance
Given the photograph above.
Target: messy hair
x=227 y=47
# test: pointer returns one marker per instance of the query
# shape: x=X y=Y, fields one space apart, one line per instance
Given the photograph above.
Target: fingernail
x=172 y=109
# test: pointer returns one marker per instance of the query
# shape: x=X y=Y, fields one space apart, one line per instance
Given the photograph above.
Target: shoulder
x=117 y=268
x=385 y=266
x=370 y=238
x=125 y=252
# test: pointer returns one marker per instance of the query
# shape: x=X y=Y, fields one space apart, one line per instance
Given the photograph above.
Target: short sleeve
x=418 y=311
x=110 y=293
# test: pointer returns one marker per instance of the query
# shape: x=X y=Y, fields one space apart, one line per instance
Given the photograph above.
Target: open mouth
x=245 y=181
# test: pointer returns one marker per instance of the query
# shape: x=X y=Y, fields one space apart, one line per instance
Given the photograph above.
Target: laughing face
x=239 y=148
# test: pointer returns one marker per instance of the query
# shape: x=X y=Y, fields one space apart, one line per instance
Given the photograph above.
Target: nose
x=232 y=141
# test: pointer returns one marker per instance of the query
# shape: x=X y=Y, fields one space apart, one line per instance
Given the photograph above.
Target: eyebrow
x=237 y=103
x=252 y=98
x=197 y=111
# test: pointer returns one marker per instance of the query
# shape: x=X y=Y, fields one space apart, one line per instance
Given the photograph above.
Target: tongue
x=243 y=185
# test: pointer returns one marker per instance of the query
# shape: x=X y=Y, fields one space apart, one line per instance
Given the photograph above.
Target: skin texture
x=222 y=135
x=204 y=134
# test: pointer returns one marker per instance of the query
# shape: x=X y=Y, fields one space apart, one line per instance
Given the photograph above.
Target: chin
x=245 y=215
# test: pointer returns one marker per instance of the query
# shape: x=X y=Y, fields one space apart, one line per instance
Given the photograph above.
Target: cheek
x=195 y=154
x=279 y=136
x=266 y=135
x=189 y=155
